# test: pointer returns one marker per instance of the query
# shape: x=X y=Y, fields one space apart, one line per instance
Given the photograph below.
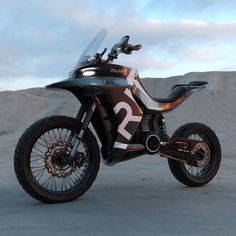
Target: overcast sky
x=40 y=41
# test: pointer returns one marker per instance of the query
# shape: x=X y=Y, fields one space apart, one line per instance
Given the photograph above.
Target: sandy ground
x=138 y=197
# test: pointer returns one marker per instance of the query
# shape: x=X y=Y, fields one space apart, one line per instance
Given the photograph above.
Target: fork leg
x=85 y=119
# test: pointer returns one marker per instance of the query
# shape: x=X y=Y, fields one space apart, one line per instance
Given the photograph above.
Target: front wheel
x=208 y=167
x=43 y=165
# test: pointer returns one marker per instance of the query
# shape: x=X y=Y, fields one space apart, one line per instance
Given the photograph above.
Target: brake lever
x=137 y=47
x=103 y=52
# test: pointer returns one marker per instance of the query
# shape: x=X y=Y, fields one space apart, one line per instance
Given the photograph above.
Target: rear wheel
x=211 y=151
x=43 y=165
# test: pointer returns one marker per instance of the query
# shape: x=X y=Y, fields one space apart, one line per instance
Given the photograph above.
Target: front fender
x=89 y=82
x=67 y=84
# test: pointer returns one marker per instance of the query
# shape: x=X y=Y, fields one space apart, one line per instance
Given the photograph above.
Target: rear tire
x=185 y=173
x=47 y=142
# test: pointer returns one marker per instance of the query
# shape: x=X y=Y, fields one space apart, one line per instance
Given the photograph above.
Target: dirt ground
x=138 y=197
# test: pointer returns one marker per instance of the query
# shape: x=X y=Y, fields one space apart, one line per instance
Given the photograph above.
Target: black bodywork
x=121 y=117
x=106 y=89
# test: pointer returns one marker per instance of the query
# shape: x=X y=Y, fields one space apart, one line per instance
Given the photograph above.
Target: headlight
x=88 y=73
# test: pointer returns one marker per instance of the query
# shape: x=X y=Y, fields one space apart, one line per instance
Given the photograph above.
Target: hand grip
x=137 y=47
x=197 y=83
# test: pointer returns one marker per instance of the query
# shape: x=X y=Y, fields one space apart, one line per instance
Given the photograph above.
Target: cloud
x=210 y=10
x=43 y=39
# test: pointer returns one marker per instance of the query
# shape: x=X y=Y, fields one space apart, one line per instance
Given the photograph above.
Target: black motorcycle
x=57 y=158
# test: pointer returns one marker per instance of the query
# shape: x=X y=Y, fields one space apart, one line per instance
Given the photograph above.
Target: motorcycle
x=57 y=158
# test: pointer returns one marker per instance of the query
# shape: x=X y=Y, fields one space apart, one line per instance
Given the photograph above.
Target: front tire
x=42 y=163
x=194 y=176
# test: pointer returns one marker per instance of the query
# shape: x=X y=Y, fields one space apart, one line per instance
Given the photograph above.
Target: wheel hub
x=57 y=160
x=203 y=149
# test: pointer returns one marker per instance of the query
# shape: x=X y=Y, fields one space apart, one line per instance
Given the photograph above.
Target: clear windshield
x=90 y=50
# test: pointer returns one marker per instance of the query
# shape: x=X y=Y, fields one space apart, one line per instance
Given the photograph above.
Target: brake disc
x=204 y=150
x=54 y=167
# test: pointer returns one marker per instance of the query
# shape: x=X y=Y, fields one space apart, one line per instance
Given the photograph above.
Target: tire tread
x=19 y=152
x=176 y=167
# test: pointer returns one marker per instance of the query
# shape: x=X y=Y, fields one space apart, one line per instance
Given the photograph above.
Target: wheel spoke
x=63 y=186
x=43 y=145
x=68 y=182
x=45 y=140
x=67 y=139
x=49 y=181
x=56 y=140
x=49 y=136
x=34 y=167
x=40 y=158
x=37 y=170
x=38 y=150
x=55 y=183
x=60 y=133
x=81 y=147
x=40 y=174
x=46 y=160
x=37 y=155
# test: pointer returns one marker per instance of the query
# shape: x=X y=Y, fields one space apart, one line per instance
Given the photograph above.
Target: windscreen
x=90 y=50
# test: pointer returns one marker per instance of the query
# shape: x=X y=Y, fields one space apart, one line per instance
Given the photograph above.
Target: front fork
x=85 y=113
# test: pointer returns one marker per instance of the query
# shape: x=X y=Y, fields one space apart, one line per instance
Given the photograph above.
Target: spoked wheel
x=210 y=149
x=43 y=164
x=50 y=165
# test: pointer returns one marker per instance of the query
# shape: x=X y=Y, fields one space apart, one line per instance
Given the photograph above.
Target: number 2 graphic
x=129 y=115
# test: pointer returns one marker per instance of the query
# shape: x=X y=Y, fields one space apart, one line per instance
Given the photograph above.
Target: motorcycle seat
x=175 y=94
x=178 y=91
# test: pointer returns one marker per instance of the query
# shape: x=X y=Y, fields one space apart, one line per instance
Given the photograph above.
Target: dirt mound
x=214 y=106
x=18 y=109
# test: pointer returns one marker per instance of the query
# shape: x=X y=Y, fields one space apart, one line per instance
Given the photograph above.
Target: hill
x=214 y=106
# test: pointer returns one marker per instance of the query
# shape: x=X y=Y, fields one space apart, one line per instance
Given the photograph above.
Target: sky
x=40 y=41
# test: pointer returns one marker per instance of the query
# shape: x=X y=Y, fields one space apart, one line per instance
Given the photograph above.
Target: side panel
x=104 y=122
x=128 y=113
x=129 y=116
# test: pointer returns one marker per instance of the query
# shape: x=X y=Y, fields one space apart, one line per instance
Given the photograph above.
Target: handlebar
x=122 y=47
x=129 y=48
